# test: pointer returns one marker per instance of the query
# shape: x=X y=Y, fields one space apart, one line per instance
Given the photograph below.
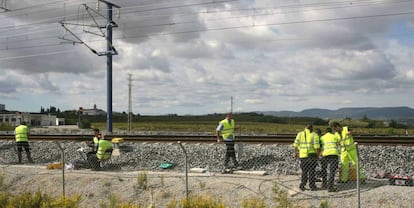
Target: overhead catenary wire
x=37 y=54
x=258 y=25
x=172 y=23
x=41 y=21
x=247 y=26
x=54 y=19
x=45 y=21
x=255 y=9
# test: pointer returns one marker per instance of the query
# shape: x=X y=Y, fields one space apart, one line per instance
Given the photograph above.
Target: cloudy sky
x=192 y=56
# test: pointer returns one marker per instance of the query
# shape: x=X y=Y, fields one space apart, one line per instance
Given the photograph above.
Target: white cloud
x=268 y=55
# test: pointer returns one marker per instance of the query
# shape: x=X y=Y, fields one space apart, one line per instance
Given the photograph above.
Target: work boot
x=29 y=157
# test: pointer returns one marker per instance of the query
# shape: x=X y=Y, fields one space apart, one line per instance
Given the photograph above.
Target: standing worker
x=307 y=148
x=330 y=154
x=226 y=129
x=348 y=151
x=21 y=133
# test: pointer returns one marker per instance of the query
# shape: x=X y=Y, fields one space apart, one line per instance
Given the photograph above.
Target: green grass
x=245 y=127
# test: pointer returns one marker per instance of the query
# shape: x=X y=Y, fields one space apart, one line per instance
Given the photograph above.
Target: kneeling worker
x=104 y=153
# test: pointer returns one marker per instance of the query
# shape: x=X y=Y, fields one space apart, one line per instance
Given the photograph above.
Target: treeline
x=73 y=117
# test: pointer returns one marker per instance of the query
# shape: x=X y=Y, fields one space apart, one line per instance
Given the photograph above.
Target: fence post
x=240 y=146
x=63 y=168
x=357 y=176
x=186 y=169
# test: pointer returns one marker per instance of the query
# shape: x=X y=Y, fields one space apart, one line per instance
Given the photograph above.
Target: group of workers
x=336 y=144
x=101 y=148
x=310 y=146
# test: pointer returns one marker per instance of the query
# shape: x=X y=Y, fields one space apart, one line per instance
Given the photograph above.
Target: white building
x=32 y=119
x=93 y=112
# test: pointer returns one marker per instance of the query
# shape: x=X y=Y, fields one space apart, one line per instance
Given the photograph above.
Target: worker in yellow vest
x=329 y=161
x=104 y=153
x=307 y=147
x=104 y=149
x=96 y=138
x=21 y=133
x=93 y=145
x=348 y=152
x=226 y=128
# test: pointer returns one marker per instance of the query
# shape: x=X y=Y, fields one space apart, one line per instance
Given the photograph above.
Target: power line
x=273 y=24
x=37 y=54
x=188 y=22
x=236 y=27
x=35 y=6
x=249 y=9
x=45 y=21
x=247 y=26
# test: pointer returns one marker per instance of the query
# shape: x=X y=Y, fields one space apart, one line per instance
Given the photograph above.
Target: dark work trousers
x=308 y=166
x=93 y=161
x=330 y=163
x=230 y=153
x=26 y=147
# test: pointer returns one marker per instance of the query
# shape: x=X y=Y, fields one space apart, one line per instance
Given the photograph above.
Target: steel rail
x=268 y=139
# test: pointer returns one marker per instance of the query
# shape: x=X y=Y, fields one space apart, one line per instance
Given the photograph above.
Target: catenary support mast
x=109 y=65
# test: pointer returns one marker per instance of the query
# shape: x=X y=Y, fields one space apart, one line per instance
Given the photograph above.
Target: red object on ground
x=400 y=180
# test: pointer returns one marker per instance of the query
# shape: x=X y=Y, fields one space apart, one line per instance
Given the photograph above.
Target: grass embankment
x=245 y=127
x=42 y=200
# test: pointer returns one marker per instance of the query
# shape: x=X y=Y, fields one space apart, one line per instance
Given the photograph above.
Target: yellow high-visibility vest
x=103 y=146
x=228 y=129
x=347 y=141
x=329 y=144
x=21 y=133
x=307 y=142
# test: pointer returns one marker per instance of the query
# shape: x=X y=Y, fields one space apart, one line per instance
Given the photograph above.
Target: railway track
x=268 y=139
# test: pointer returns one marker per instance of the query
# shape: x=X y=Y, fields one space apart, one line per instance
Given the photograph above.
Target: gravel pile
x=275 y=159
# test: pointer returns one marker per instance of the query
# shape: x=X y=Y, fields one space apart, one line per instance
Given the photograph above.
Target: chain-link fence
x=158 y=173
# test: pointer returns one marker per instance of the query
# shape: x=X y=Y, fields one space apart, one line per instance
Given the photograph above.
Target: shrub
x=37 y=199
x=6 y=127
x=142 y=181
x=3 y=186
x=253 y=203
x=62 y=202
x=4 y=199
x=204 y=201
x=281 y=197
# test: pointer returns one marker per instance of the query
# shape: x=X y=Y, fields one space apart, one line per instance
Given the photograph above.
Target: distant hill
x=385 y=113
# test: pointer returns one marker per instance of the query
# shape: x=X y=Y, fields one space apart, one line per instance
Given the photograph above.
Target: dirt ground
x=96 y=187
x=159 y=188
